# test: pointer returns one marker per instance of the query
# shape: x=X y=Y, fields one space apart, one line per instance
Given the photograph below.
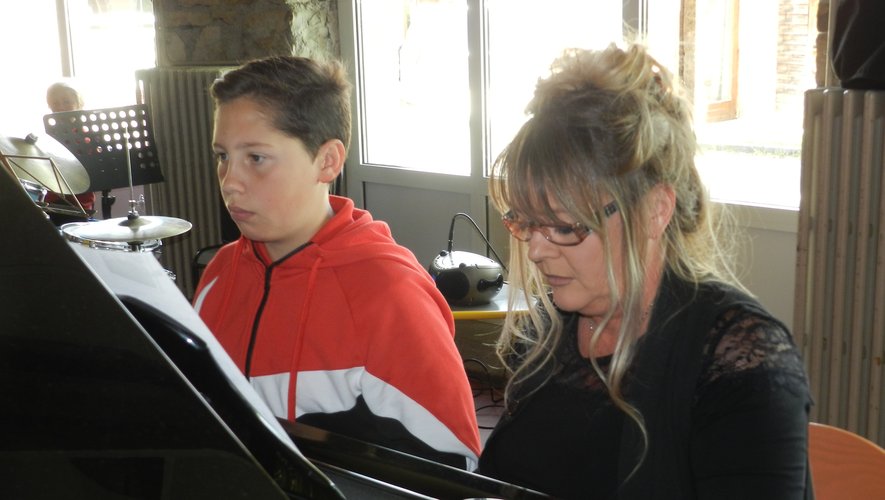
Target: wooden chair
x=844 y=465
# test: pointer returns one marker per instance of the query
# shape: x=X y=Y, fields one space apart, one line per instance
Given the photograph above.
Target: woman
x=646 y=370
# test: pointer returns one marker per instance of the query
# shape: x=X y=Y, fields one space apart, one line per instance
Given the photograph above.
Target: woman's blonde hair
x=605 y=125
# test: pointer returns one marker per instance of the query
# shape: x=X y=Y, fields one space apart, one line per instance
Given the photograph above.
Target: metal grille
x=839 y=318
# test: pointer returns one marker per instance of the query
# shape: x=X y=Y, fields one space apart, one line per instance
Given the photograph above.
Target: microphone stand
x=478 y=230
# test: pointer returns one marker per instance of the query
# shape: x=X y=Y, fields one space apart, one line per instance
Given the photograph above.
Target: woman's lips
x=554 y=280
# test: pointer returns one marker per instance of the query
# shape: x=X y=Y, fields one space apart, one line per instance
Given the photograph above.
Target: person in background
x=646 y=370
x=334 y=323
x=857 y=47
x=61 y=97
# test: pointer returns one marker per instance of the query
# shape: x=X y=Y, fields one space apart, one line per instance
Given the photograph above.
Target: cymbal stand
x=133 y=212
x=107 y=201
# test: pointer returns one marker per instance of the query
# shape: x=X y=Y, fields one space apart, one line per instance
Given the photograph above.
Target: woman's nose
x=539 y=247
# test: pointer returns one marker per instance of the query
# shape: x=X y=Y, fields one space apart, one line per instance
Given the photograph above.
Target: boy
x=334 y=324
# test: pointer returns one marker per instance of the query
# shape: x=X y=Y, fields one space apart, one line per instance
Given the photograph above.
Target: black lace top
x=737 y=430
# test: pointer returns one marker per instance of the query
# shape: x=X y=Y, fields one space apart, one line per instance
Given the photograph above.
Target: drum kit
x=44 y=165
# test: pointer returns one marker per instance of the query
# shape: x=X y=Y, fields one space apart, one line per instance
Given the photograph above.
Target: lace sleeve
x=750 y=418
x=745 y=346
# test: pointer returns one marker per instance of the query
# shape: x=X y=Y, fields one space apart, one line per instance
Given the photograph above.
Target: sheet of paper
x=139 y=275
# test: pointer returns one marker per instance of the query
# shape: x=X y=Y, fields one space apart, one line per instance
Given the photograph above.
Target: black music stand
x=99 y=139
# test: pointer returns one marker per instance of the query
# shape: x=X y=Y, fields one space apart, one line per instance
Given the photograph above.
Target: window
x=415 y=81
x=100 y=43
x=752 y=62
x=110 y=39
x=415 y=85
x=523 y=39
x=443 y=83
x=717 y=57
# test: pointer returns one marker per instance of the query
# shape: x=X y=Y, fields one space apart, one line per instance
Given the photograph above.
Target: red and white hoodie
x=351 y=329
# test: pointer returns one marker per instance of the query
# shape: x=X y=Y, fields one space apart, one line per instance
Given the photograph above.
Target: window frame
x=726 y=109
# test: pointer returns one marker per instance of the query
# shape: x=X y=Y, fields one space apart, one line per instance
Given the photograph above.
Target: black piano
x=108 y=396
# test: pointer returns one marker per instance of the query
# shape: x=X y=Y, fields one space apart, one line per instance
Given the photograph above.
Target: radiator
x=839 y=318
x=182 y=111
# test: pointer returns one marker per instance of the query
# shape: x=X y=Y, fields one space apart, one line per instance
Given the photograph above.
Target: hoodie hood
x=335 y=243
x=333 y=246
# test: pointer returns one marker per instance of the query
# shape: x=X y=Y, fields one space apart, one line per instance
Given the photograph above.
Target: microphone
x=465 y=278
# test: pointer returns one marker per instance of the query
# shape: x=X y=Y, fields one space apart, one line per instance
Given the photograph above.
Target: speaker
x=465 y=278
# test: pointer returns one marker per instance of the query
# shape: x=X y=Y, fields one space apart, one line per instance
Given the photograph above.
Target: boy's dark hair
x=308 y=99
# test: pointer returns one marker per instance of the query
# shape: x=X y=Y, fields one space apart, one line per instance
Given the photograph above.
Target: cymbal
x=37 y=167
x=131 y=230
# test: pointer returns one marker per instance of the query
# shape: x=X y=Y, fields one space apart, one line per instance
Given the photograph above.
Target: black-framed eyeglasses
x=566 y=235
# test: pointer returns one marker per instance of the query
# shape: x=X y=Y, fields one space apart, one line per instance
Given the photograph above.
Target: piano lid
x=93 y=408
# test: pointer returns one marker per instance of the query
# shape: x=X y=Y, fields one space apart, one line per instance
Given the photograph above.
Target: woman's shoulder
x=746 y=343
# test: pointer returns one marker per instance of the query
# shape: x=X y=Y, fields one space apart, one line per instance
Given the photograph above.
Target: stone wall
x=795 y=51
x=229 y=32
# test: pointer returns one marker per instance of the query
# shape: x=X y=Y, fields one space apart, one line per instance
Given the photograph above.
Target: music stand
x=99 y=139
x=43 y=166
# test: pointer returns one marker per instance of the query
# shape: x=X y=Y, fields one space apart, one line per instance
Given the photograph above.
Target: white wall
x=767 y=259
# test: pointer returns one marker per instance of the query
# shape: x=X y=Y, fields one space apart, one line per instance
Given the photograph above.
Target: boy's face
x=274 y=189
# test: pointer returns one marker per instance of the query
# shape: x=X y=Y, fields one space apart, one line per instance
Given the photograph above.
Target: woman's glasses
x=566 y=235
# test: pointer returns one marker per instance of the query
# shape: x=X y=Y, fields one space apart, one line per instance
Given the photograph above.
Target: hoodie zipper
x=268 y=272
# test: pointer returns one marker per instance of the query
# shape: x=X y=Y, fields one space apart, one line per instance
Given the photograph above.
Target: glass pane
x=523 y=39
x=110 y=40
x=716 y=27
x=755 y=158
x=751 y=156
x=415 y=88
x=29 y=33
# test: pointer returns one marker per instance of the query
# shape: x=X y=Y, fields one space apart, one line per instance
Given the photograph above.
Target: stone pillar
x=230 y=32
x=795 y=50
x=824 y=74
